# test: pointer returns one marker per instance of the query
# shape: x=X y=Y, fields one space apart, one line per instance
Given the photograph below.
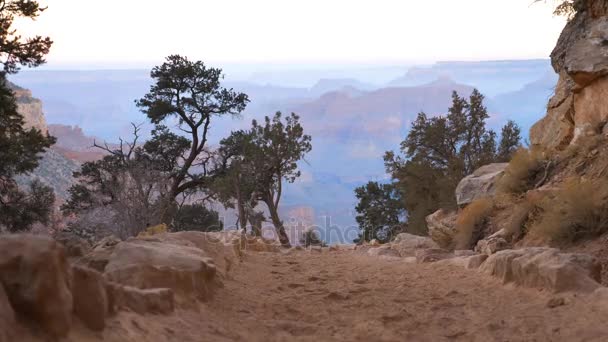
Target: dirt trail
x=343 y=296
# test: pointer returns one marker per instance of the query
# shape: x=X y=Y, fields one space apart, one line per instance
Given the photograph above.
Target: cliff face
x=30 y=108
x=580 y=105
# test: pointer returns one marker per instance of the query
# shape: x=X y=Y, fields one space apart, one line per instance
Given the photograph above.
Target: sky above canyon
x=141 y=32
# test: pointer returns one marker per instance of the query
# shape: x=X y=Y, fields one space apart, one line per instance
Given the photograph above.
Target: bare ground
x=343 y=296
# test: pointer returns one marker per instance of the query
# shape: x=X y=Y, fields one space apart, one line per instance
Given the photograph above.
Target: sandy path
x=342 y=296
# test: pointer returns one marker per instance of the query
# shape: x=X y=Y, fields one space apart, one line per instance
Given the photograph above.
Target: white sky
x=287 y=31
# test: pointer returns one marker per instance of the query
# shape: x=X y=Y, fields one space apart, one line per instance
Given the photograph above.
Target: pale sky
x=118 y=32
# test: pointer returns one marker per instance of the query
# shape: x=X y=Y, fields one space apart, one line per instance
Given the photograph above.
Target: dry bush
x=469 y=222
x=521 y=174
x=578 y=210
x=516 y=224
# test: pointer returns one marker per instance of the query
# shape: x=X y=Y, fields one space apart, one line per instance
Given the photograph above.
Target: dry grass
x=578 y=210
x=469 y=222
x=522 y=171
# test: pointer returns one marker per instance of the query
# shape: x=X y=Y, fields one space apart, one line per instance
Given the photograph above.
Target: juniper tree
x=190 y=94
x=20 y=148
x=439 y=151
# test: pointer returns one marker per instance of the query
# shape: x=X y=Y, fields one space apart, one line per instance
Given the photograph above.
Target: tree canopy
x=439 y=151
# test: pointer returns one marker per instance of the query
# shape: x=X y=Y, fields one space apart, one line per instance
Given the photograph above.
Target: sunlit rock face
x=31 y=109
x=579 y=107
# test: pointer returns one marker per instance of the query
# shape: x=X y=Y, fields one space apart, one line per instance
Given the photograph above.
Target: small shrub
x=154 y=230
x=469 y=222
x=578 y=210
x=522 y=171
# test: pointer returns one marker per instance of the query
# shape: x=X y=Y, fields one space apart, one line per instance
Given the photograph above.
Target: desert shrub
x=470 y=222
x=578 y=210
x=521 y=174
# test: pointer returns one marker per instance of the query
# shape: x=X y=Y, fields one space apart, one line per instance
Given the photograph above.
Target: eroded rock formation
x=580 y=105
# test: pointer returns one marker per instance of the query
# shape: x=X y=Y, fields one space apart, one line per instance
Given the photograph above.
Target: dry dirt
x=344 y=296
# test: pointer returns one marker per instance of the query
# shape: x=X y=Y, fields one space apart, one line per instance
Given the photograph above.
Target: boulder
x=545 y=268
x=99 y=255
x=226 y=248
x=36 y=277
x=148 y=301
x=383 y=251
x=90 y=299
x=407 y=244
x=148 y=264
x=481 y=184
x=442 y=227
x=432 y=255
x=494 y=243
x=7 y=318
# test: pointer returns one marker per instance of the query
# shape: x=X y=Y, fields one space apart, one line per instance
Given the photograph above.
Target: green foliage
x=20 y=209
x=20 y=148
x=439 y=151
x=14 y=49
x=379 y=211
x=509 y=142
x=196 y=217
x=191 y=93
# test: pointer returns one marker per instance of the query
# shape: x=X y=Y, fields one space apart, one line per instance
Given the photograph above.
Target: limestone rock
x=556 y=129
x=90 y=299
x=150 y=264
x=36 y=277
x=470 y=262
x=154 y=301
x=442 y=227
x=545 y=268
x=432 y=255
x=591 y=108
x=481 y=184
x=383 y=251
x=226 y=248
x=578 y=108
x=407 y=244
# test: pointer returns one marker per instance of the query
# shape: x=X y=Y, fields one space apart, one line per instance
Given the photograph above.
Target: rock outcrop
x=90 y=297
x=148 y=264
x=30 y=108
x=578 y=107
x=407 y=244
x=545 y=268
x=480 y=184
